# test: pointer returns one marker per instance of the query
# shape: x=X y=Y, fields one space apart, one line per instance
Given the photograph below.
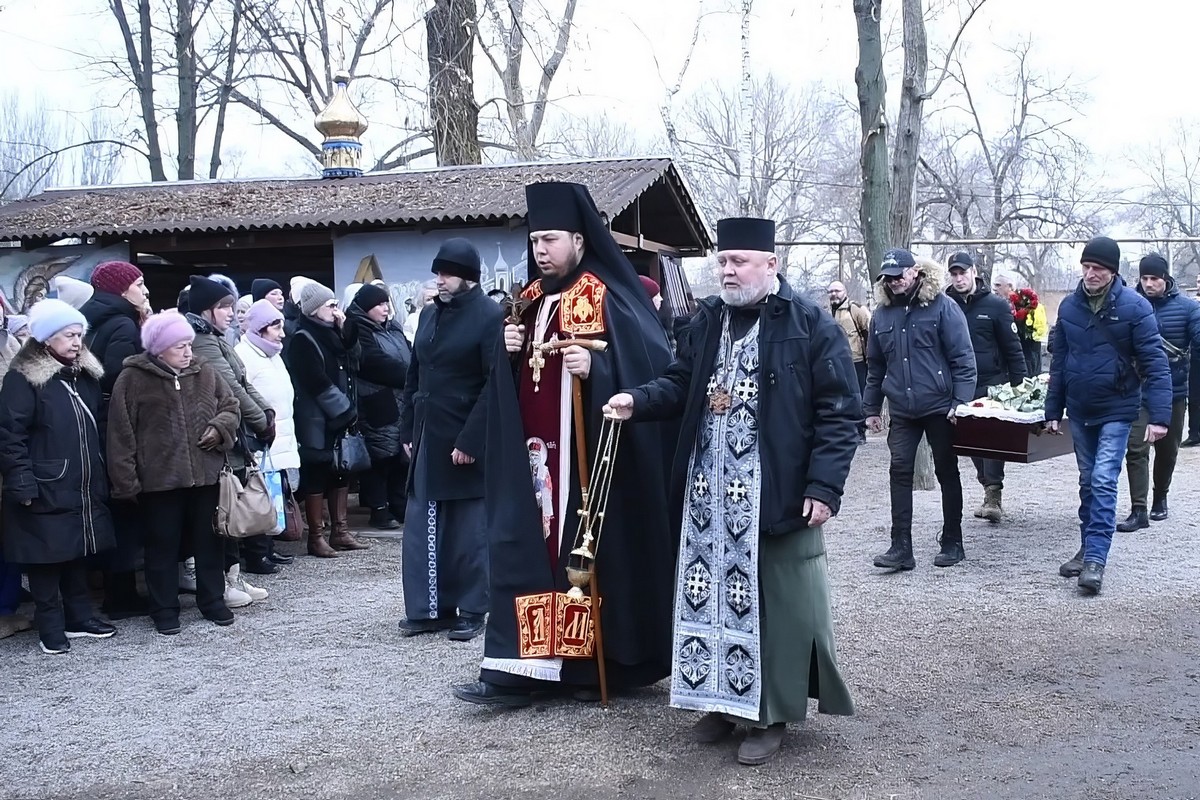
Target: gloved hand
x=210 y=439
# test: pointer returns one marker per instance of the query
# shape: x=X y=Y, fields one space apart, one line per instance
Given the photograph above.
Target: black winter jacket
x=998 y=354
x=50 y=457
x=384 y=355
x=113 y=334
x=321 y=363
x=444 y=405
x=809 y=408
x=919 y=352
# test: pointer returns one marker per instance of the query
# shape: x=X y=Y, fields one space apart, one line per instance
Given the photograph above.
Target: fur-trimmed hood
x=38 y=366
x=929 y=283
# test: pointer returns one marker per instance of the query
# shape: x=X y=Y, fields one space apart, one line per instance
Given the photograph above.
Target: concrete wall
x=405 y=257
x=25 y=275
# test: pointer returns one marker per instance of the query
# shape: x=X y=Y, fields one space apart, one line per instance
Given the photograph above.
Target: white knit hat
x=48 y=317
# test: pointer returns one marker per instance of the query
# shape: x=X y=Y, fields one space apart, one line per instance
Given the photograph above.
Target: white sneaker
x=254 y=592
x=187 y=576
x=234 y=596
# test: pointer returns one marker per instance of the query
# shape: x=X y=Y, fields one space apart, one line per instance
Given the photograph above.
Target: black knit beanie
x=1155 y=265
x=1103 y=251
x=370 y=296
x=458 y=257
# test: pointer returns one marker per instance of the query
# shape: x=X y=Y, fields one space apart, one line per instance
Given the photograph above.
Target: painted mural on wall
x=402 y=259
x=25 y=275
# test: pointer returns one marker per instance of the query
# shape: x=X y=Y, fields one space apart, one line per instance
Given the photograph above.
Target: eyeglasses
x=891 y=278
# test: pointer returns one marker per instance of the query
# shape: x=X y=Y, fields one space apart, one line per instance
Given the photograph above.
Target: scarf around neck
x=271 y=349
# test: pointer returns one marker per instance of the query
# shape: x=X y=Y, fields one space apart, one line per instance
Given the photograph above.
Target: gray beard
x=745 y=296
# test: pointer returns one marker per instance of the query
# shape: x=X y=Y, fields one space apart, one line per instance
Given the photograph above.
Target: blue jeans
x=1099 y=451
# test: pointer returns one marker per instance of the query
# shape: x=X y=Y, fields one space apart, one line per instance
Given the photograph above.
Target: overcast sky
x=1135 y=61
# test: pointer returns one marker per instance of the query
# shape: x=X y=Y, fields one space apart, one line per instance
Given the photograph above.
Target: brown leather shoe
x=342 y=539
x=314 y=513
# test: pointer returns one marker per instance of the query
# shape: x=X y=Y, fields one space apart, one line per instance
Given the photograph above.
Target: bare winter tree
x=871 y=82
x=596 y=136
x=295 y=47
x=886 y=208
x=510 y=32
x=745 y=139
x=914 y=92
x=1171 y=197
x=450 y=53
x=41 y=148
x=1026 y=178
x=795 y=152
x=171 y=52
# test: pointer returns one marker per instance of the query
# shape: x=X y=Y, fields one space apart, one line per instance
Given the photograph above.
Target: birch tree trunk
x=745 y=117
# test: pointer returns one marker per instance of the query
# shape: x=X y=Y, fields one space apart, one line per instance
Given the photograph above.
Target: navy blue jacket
x=1097 y=382
x=1179 y=324
x=919 y=353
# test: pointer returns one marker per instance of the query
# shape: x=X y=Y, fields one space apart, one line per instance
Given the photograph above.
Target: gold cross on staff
x=537 y=358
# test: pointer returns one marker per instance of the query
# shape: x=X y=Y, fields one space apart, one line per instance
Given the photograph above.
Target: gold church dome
x=341 y=118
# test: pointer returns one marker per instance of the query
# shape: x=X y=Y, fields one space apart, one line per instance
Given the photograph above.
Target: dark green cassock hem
x=798 y=657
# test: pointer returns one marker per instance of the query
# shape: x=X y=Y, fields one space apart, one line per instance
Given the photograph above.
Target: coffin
x=1006 y=440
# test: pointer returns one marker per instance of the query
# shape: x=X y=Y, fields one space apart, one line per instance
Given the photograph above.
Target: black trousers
x=320 y=478
x=860 y=369
x=904 y=437
x=178 y=523
x=60 y=597
x=385 y=485
x=1032 y=349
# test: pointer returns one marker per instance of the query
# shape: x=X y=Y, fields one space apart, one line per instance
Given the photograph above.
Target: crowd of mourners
x=117 y=424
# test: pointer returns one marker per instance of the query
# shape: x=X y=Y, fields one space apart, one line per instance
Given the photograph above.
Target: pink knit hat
x=114 y=277
x=163 y=331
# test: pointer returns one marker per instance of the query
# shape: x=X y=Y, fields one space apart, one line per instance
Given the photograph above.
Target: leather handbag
x=244 y=510
x=294 y=530
x=350 y=453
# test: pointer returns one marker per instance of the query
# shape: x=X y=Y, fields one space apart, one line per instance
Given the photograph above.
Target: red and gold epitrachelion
x=581 y=310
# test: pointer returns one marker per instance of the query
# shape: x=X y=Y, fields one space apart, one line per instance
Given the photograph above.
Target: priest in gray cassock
x=770 y=407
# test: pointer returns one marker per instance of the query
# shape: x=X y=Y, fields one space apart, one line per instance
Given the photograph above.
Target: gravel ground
x=994 y=679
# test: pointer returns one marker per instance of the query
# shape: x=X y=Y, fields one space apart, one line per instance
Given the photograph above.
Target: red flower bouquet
x=1024 y=301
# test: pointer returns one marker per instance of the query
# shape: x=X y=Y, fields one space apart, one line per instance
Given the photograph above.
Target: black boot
x=1092 y=577
x=952 y=550
x=1072 y=568
x=381 y=520
x=1158 y=511
x=899 y=556
x=1137 y=519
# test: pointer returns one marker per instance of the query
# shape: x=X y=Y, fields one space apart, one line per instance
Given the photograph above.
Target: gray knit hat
x=313 y=296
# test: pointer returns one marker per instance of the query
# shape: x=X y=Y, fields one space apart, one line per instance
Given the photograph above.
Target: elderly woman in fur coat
x=55 y=487
x=171 y=422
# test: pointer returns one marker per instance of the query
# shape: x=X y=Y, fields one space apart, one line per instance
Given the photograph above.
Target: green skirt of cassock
x=798 y=656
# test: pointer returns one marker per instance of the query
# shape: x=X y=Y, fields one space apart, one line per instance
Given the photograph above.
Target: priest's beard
x=748 y=295
x=555 y=284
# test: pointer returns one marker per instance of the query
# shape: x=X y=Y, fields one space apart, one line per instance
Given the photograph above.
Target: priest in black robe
x=585 y=289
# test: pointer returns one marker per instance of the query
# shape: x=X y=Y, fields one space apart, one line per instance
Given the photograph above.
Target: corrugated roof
x=448 y=195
